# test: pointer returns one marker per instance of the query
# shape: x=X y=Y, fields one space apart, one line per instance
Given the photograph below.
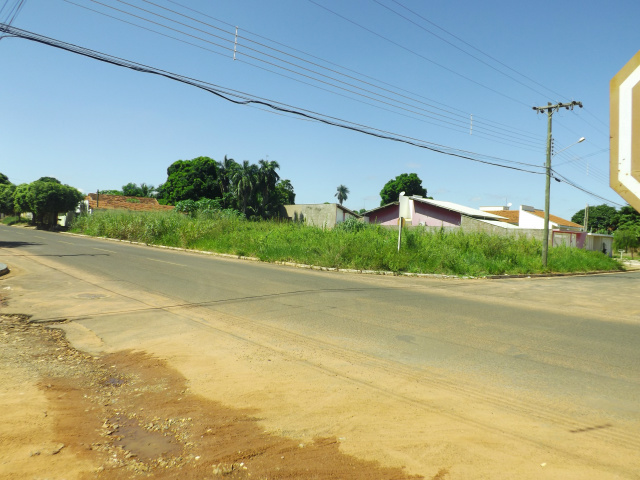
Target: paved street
x=488 y=379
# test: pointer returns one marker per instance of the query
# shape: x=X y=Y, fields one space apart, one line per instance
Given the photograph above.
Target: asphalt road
x=557 y=359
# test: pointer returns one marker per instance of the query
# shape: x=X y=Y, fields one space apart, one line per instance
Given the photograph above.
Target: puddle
x=114 y=382
x=144 y=444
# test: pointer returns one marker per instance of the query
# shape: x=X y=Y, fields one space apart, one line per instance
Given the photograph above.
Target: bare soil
x=127 y=415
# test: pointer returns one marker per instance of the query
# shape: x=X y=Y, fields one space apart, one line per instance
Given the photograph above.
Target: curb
x=363 y=272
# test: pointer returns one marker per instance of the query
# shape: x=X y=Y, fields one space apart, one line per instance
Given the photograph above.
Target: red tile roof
x=119 y=202
x=513 y=217
x=557 y=220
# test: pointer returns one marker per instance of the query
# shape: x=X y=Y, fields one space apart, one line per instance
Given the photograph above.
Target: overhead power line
x=9 y=13
x=404 y=103
x=474 y=48
x=419 y=55
x=447 y=108
x=241 y=98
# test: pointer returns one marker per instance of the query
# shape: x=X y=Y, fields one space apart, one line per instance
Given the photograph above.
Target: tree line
x=256 y=190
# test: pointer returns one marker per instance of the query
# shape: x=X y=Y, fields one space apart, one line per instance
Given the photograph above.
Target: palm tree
x=225 y=174
x=244 y=180
x=268 y=178
x=342 y=193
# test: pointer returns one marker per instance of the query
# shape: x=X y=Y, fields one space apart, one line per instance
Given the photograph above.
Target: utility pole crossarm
x=554 y=108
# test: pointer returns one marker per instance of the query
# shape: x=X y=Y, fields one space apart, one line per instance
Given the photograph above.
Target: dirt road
x=139 y=385
x=67 y=414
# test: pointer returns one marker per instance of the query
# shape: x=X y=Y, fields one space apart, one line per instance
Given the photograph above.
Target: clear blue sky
x=98 y=126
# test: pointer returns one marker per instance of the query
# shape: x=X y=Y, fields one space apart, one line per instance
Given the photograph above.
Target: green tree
x=284 y=193
x=49 y=179
x=21 y=198
x=191 y=180
x=45 y=198
x=245 y=179
x=7 y=191
x=341 y=193
x=133 y=190
x=628 y=217
x=602 y=218
x=226 y=169
x=4 y=180
x=625 y=239
x=409 y=183
x=267 y=177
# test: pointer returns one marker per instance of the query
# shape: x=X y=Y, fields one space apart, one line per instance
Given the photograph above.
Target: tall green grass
x=13 y=220
x=363 y=247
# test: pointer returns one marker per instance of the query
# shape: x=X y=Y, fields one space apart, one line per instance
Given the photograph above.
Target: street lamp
x=579 y=141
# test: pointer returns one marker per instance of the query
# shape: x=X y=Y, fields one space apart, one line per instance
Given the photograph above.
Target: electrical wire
x=449 y=119
x=12 y=13
x=574 y=185
x=242 y=98
x=491 y=133
x=419 y=55
x=476 y=49
x=453 y=45
x=448 y=108
x=245 y=99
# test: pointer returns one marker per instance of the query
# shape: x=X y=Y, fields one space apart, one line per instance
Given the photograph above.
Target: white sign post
x=624 y=163
x=404 y=212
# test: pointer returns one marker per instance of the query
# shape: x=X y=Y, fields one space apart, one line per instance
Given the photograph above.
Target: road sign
x=624 y=163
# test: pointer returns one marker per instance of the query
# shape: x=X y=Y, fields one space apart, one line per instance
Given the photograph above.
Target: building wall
x=470 y=224
x=597 y=242
x=322 y=215
x=385 y=216
x=433 y=216
x=343 y=215
x=529 y=220
x=569 y=239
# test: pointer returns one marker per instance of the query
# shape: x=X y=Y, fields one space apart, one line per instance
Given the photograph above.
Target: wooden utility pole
x=550 y=110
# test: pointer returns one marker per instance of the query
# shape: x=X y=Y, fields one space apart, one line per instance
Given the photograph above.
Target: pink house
x=430 y=213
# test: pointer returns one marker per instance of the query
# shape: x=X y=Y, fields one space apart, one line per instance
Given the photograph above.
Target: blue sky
x=416 y=69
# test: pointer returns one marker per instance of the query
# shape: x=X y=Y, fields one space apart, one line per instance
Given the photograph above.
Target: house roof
x=557 y=220
x=120 y=202
x=379 y=208
x=468 y=211
x=355 y=214
x=513 y=217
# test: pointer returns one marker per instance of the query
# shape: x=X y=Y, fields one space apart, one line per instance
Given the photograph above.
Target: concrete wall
x=473 y=225
x=324 y=215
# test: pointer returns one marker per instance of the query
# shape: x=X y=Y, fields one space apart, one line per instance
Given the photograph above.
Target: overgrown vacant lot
x=351 y=245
